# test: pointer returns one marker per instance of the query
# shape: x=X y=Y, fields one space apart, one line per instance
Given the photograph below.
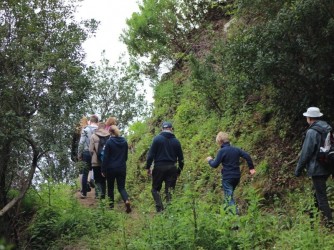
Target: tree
x=43 y=81
x=162 y=30
x=115 y=92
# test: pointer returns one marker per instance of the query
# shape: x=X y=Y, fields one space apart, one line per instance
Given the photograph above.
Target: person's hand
x=252 y=171
x=209 y=158
x=149 y=172
x=103 y=174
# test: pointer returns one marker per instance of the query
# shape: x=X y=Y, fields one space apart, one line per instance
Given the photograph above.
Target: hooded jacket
x=94 y=145
x=165 y=150
x=115 y=154
x=310 y=150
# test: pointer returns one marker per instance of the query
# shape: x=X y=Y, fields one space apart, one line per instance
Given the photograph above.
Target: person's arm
x=92 y=144
x=180 y=159
x=306 y=152
x=150 y=155
x=81 y=143
x=106 y=157
x=249 y=161
x=214 y=163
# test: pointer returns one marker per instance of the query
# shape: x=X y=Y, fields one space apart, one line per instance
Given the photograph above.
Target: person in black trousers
x=114 y=166
x=165 y=151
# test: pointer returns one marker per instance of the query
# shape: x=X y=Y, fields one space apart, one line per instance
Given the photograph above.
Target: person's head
x=83 y=122
x=94 y=119
x=101 y=125
x=167 y=126
x=222 y=137
x=312 y=114
x=114 y=131
x=111 y=121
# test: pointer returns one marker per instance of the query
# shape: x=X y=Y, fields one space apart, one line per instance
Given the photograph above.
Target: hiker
x=229 y=157
x=165 y=151
x=84 y=154
x=308 y=160
x=99 y=135
x=75 y=142
x=114 y=166
x=110 y=121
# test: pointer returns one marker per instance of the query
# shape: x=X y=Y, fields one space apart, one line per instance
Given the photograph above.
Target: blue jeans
x=229 y=186
x=87 y=158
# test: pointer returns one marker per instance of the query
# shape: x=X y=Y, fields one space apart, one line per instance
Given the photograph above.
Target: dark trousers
x=87 y=159
x=119 y=175
x=160 y=174
x=100 y=182
x=320 y=195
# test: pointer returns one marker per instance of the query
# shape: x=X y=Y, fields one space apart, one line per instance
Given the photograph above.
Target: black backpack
x=326 y=150
x=100 y=149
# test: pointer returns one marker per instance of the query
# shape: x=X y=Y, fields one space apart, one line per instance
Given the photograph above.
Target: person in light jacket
x=100 y=181
x=308 y=160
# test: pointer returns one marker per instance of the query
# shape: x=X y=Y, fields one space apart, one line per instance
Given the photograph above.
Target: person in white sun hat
x=315 y=135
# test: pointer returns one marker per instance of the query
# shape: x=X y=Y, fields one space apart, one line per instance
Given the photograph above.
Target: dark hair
x=94 y=119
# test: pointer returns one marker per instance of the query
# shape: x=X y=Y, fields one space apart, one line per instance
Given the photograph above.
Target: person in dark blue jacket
x=165 y=151
x=229 y=157
x=114 y=165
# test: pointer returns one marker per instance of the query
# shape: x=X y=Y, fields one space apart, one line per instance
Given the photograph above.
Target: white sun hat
x=313 y=112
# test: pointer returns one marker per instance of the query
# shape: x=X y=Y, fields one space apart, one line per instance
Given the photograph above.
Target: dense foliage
x=248 y=67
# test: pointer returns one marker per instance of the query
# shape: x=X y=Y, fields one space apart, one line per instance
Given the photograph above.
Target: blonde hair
x=222 y=137
x=111 y=121
x=82 y=124
x=113 y=130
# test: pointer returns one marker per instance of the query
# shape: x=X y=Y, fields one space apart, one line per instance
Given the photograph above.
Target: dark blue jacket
x=165 y=150
x=115 y=154
x=229 y=157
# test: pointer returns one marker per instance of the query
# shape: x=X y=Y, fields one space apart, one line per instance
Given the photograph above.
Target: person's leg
x=157 y=179
x=228 y=186
x=111 y=182
x=319 y=185
x=120 y=178
x=85 y=170
x=91 y=180
x=98 y=181
x=170 y=182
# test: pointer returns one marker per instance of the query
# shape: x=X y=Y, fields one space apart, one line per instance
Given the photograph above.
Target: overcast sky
x=112 y=15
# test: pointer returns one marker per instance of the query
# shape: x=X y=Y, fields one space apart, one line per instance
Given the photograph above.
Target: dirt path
x=91 y=202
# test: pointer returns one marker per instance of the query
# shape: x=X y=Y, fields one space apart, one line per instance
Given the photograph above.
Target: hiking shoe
x=92 y=183
x=83 y=196
x=128 y=207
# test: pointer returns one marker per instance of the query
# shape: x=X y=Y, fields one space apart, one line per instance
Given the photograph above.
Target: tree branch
x=27 y=184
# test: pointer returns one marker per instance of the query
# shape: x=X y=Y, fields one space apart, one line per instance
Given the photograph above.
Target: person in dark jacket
x=229 y=157
x=165 y=151
x=308 y=160
x=114 y=166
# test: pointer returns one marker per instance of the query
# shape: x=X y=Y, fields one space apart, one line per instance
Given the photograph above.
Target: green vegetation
x=246 y=67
